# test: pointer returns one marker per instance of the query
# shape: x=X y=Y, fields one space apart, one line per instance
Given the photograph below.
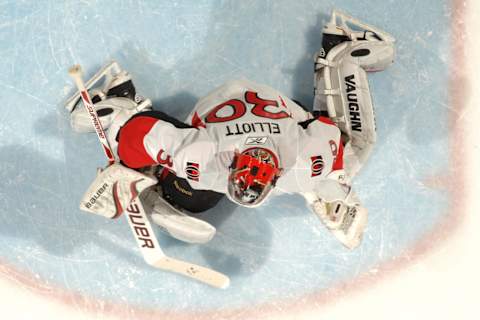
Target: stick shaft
x=76 y=74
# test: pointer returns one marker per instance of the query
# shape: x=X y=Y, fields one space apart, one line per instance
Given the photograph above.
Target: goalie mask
x=253 y=174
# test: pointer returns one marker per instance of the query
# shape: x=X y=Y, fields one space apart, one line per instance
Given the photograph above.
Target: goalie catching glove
x=338 y=207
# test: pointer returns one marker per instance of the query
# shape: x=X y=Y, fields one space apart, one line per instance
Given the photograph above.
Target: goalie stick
x=76 y=73
x=137 y=218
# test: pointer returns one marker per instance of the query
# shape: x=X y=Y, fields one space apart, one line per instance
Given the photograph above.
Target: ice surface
x=177 y=51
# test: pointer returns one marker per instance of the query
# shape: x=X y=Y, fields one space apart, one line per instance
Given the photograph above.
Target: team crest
x=192 y=171
x=317 y=165
x=334 y=148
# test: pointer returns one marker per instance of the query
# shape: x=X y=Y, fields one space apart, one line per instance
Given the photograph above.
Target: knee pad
x=370 y=55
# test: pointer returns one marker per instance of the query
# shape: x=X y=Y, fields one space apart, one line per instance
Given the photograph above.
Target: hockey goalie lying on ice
x=243 y=140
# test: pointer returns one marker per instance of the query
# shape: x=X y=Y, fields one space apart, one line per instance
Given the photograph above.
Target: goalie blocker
x=113 y=190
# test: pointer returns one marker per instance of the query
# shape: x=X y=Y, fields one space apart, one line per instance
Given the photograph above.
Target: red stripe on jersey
x=197 y=122
x=338 y=164
x=130 y=142
x=326 y=120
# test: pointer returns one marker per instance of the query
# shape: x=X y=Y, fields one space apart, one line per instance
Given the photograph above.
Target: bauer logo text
x=138 y=224
x=96 y=195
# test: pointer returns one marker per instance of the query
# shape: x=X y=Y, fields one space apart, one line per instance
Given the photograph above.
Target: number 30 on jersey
x=239 y=109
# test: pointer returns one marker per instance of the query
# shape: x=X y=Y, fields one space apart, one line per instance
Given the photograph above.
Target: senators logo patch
x=317 y=165
x=192 y=171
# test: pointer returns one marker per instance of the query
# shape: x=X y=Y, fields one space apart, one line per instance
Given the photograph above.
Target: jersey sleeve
x=320 y=151
x=145 y=141
x=336 y=146
x=324 y=137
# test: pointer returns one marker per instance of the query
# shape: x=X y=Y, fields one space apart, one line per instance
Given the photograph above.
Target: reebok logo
x=138 y=225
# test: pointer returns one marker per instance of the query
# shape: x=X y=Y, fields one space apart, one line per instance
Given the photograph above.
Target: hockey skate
x=174 y=221
x=113 y=94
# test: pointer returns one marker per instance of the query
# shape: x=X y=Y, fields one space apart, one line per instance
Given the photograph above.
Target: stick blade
x=199 y=273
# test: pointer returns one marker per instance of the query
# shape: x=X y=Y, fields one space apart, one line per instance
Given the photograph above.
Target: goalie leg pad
x=343 y=89
x=359 y=117
x=341 y=85
x=372 y=56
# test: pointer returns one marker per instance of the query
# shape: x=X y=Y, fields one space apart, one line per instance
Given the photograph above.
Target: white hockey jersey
x=234 y=117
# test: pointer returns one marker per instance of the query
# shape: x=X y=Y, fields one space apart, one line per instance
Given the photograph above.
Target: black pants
x=178 y=191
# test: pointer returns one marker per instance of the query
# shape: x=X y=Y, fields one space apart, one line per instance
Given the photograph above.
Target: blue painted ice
x=177 y=51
